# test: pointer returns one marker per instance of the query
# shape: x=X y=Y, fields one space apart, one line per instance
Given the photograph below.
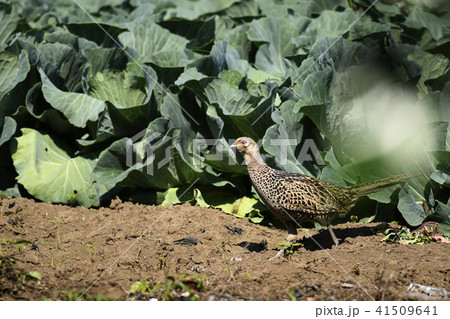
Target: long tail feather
x=357 y=191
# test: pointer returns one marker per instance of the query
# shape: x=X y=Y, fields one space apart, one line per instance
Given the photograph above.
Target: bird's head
x=248 y=148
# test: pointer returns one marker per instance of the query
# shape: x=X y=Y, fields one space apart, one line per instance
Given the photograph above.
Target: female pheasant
x=294 y=198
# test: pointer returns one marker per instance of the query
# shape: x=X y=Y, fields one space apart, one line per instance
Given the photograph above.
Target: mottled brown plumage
x=294 y=198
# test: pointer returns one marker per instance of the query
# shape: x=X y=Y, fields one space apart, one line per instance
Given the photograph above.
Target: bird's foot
x=336 y=244
x=291 y=238
x=333 y=236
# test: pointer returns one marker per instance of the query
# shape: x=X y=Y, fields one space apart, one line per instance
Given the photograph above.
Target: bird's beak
x=233 y=145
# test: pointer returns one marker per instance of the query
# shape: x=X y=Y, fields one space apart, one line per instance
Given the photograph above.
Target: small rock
x=114 y=203
x=200 y=269
x=232 y=230
x=347 y=284
x=189 y=241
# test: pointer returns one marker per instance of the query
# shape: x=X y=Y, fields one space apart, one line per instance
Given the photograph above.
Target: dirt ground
x=195 y=253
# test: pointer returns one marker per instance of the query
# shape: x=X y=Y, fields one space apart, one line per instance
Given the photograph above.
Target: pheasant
x=294 y=198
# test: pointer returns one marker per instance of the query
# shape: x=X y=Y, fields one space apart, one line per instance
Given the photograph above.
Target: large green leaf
x=189 y=168
x=241 y=9
x=130 y=109
x=321 y=5
x=336 y=23
x=41 y=111
x=222 y=57
x=241 y=207
x=237 y=38
x=93 y=6
x=282 y=139
x=411 y=211
x=105 y=58
x=439 y=27
x=193 y=9
x=188 y=75
x=123 y=88
x=432 y=65
x=61 y=63
x=49 y=173
x=287 y=8
x=79 y=108
x=155 y=44
x=143 y=161
x=13 y=69
x=9 y=23
x=243 y=114
x=277 y=35
x=9 y=128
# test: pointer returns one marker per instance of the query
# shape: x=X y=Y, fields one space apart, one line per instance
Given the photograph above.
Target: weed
x=291 y=295
x=15 y=244
x=229 y=270
x=162 y=262
x=31 y=275
x=182 y=287
x=144 y=288
x=91 y=246
x=179 y=287
x=18 y=220
x=426 y=233
x=73 y=201
x=290 y=249
x=356 y=269
x=73 y=295
x=8 y=272
x=14 y=241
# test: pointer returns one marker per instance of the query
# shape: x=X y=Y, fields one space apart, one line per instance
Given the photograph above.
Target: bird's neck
x=253 y=160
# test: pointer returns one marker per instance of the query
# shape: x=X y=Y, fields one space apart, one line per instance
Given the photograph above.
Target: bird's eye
x=246 y=143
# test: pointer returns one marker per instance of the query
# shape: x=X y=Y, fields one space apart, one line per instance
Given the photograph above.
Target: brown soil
x=79 y=248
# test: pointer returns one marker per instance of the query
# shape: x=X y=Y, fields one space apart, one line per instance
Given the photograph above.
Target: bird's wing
x=307 y=194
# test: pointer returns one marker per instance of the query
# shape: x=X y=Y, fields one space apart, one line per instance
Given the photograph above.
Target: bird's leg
x=336 y=241
x=291 y=238
x=292 y=231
